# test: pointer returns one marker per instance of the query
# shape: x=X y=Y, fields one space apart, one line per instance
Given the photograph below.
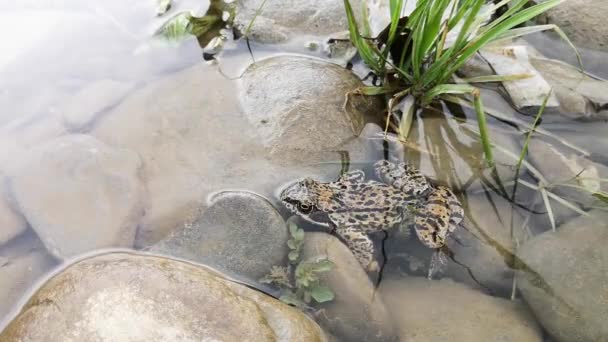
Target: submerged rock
x=21 y=265
x=357 y=313
x=79 y=194
x=280 y=20
x=91 y=101
x=558 y=165
x=120 y=296
x=297 y=104
x=566 y=284
x=240 y=233
x=449 y=152
x=12 y=223
x=426 y=310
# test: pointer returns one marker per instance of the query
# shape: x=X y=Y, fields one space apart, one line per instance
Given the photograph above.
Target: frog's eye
x=305 y=208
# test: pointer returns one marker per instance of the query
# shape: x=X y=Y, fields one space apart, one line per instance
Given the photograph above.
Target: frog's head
x=302 y=199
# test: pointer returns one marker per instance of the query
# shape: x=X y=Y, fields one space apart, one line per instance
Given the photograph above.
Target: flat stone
x=120 y=296
x=283 y=96
x=357 y=313
x=425 y=310
x=240 y=233
x=566 y=281
x=79 y=194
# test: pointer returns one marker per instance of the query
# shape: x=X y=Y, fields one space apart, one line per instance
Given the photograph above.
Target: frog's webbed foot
x=438 y=264
x=360 y=245
x=403 y=177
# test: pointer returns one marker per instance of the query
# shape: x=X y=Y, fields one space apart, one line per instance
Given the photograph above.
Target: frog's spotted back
x=403 y=177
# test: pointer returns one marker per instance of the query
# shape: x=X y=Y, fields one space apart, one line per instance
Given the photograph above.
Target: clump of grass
x=418 y=56
x=299 y=281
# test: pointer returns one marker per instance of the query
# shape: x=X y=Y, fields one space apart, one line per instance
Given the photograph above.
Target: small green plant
x=418 y=56
x=299 y=281
x=219 y=16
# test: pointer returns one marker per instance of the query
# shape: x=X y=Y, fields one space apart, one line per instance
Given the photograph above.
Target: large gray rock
x=443 y=310
x=297 y=104
x=79 y=194
x=582 y=21
x=120 y=296
x=279 y=20
x=357 y=313
x=240 y=233
x=566 y=277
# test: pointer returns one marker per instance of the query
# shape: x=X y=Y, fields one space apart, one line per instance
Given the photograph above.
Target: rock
x=240 y=233
x=283 y=97
x=485 y=245
x=21 y=265
x=449 y=152
x=559 y=165
x=279 y=20
x=121 y=296
x=426 y=310
x=527 y=94
x=193 y=144
x=566 y=282
x=11 y=221
x=357 y=313
x=587 y=135
x=79 y=194
x=91 y=101
x=581 y=97
x=582 y=21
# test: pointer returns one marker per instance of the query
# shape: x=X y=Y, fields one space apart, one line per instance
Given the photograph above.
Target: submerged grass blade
x=494 y=78
x=543 y=193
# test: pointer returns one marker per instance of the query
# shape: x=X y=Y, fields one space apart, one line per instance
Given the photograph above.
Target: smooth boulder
x=565 y=281
x=240 y=233
x=79 y=194
x=134 y=297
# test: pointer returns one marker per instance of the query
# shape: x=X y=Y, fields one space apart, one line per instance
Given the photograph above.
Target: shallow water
x=54 y=50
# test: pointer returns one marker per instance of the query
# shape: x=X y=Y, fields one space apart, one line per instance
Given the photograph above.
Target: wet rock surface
x=558 y=165
x=357 y=312
x=582 y=21
x=121 y=296
x=78 y=194
x=443 y=310
x=280 y=20
x=11 y=221
x=240 y=233
x=283 y=97
x=566 y=287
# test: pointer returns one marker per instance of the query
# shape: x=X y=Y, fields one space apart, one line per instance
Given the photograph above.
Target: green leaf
x=293 y=256
x=291 y=244
x=322 y=293
x=163 y=7
x=299 y=235
x=602 y=196
x=291 y=299
x=176 y=28
x=322 y=265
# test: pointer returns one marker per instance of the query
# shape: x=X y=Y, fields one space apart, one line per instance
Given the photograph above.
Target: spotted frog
x=354 y=207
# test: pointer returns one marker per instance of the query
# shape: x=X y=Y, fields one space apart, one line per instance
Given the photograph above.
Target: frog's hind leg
x=404 y=177
x=438 y=263
x=360 y=245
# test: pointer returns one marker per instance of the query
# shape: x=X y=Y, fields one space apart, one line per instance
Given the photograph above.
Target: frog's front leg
x=360 y=245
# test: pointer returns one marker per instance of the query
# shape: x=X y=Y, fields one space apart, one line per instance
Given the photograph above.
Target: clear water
x=51 y=50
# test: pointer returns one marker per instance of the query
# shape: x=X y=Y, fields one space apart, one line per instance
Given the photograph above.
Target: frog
x=354 y=208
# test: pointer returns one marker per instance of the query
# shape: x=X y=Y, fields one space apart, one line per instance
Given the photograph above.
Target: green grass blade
x=495 y=31
x=545 y=196
x=366 y=51
x=494 y=78
x=483 y=128
x=395 y=10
